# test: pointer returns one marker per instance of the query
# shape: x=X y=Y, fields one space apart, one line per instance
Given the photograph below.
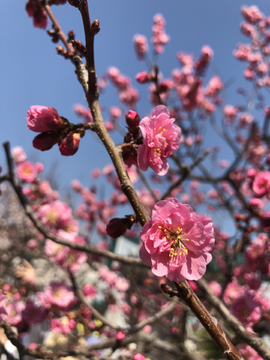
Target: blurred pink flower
x=247 y=309
x=252 y=14
x=176 y=241
x=261 y=184
x=141 y=45
x=58 y=294
x=18 y=154
x=160 y=139
x=89 y=290
x=26 y=171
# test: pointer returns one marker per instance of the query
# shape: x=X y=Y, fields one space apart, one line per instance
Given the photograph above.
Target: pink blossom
x=252 y=14
x=58 y=294
x=215 y=287
x=249 y=353
x=39 y=15
x=32 y=244
x=3 y=300
x=214 y=86
x=18 y=154
x=160 y=139
x=141 y=45
x=32 y=313
x=159 y=37
x=143 y=77
x=115 y=112
x=247 y=309
x=89 y=290
x=26 y=171
x=121 y=284
x=120 y=335
x=230 y=112
x=138 y=357
x=56 y=215
x=43 y=119
x=204 y=59
x=13 y=312
x=177 y=241
x=261 y=184
x=83 y=112
x=33 y=346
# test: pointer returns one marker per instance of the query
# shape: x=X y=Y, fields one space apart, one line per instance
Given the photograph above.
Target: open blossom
x=58 y=294
x=261 y=184
x=43 y=119
x=26 y=171
x=18 y=154
x=160 y=139
x=176 y=241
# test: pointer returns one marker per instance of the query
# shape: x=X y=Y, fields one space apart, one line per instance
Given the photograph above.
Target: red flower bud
x=70 y=144
x=45 y=141
x=143 y=77
x=133 y=120
x=116 y=227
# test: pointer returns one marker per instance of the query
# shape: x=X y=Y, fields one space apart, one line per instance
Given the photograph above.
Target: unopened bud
x=133 y=120
x=45 y=141
x=143 y=77
x=70 y=144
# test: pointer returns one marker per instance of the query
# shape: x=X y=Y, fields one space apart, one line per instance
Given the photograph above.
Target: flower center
x=175 y=235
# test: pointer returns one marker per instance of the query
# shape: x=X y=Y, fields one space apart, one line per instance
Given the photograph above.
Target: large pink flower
x=43 y=119
x=160 y=139
x=177 y=241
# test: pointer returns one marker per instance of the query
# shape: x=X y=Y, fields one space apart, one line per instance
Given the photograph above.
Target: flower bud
x=143 y=77
x=132 y=120
x=70 y=145
x=45 y=141
x=116 y=227
x=43 y=119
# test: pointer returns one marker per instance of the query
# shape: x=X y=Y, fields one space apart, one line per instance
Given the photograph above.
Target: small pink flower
x=249 y=353
x=138 y=357
x=26 y=171
x=32 y=244
x=32 y=346
x=261 y=184
x=143 y=77
x=141 y=45
x=43 y=119
x=160 y=139
x=18 y=154
x=58 y=294
x=177 y=241
x=120 y=335
x=247 y=309
x=32 y=313
x=252 y=14
x=89 y=290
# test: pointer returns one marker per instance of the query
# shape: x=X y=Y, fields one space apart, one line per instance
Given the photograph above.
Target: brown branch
x=95 y=312
x=60 y=33
x=210 y=323
x=256 y=343
x=100 y=129
x=48 y=235
x=186 y=172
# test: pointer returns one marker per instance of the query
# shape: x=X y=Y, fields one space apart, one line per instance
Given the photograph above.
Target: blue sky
x=32 y=74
